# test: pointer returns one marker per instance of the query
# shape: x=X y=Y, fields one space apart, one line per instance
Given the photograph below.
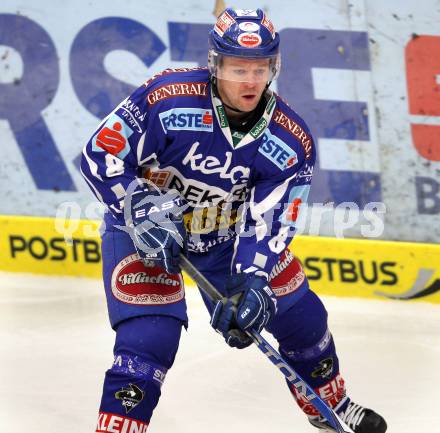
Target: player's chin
x=248 y=102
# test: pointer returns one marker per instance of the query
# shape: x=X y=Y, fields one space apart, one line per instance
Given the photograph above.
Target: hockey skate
x=358 y=418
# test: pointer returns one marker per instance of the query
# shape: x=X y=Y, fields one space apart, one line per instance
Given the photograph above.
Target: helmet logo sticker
x=269 y=26
x=249 y=26
x=249 y=40
x=223 y=23
x=243 y=33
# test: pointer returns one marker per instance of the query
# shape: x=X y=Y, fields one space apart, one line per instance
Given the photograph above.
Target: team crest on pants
x=134 y=283
x=130 y=397
x=325 y=368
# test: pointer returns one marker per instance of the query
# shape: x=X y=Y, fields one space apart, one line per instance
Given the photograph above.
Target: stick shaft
x=289 y=373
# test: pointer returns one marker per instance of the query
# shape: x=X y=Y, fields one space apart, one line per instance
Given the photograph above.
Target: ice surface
x=56 y=344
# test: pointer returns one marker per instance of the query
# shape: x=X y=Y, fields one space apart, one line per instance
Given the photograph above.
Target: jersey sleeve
x=112 y=158
x=269 y=219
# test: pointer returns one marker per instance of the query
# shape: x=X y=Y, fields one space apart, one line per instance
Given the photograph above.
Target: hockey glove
x=251 y=305
x=158 y=231
x=223 y=321
x=257 y=303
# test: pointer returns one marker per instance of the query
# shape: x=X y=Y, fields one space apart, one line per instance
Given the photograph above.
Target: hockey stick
x=289 y=373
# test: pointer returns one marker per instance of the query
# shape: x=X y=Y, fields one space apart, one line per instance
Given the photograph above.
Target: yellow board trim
x=338 y=267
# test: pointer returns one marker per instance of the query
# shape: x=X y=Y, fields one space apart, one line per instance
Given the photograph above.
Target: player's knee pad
x=319 y=367
x=155 y=338
x=144 y=351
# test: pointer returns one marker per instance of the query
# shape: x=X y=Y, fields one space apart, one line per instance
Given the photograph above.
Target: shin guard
x=144 y=351
x=319 y=367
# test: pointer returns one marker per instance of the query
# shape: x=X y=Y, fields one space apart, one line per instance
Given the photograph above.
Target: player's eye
x=260 y=72
x=240 y=71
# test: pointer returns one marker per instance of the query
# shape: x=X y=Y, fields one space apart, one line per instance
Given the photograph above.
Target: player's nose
x=249 y=85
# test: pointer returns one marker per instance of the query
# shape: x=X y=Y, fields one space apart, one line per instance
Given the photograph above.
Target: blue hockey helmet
x=247 y=34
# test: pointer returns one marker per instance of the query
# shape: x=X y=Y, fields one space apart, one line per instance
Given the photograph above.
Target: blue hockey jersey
x=174 y=131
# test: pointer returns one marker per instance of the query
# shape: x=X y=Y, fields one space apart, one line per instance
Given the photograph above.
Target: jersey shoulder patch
x=291 y=125
x=182 y=82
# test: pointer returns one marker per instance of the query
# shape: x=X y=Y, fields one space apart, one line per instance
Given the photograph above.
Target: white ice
x=56 y=344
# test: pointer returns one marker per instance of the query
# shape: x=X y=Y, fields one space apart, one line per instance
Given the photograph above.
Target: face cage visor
x=244 y=69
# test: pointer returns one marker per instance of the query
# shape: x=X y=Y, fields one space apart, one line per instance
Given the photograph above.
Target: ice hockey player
x=228 y=164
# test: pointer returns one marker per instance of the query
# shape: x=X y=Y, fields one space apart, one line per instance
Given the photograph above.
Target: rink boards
x=339 y=267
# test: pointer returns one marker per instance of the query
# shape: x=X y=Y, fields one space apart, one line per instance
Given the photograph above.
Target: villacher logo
x=133 y=283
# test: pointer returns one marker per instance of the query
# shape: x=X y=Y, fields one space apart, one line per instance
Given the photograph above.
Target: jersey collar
x=258 y=129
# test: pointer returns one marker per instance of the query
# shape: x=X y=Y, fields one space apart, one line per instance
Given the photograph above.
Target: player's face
x=243 y=82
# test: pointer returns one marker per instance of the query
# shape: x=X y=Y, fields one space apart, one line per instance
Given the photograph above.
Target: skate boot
x=358 y=418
